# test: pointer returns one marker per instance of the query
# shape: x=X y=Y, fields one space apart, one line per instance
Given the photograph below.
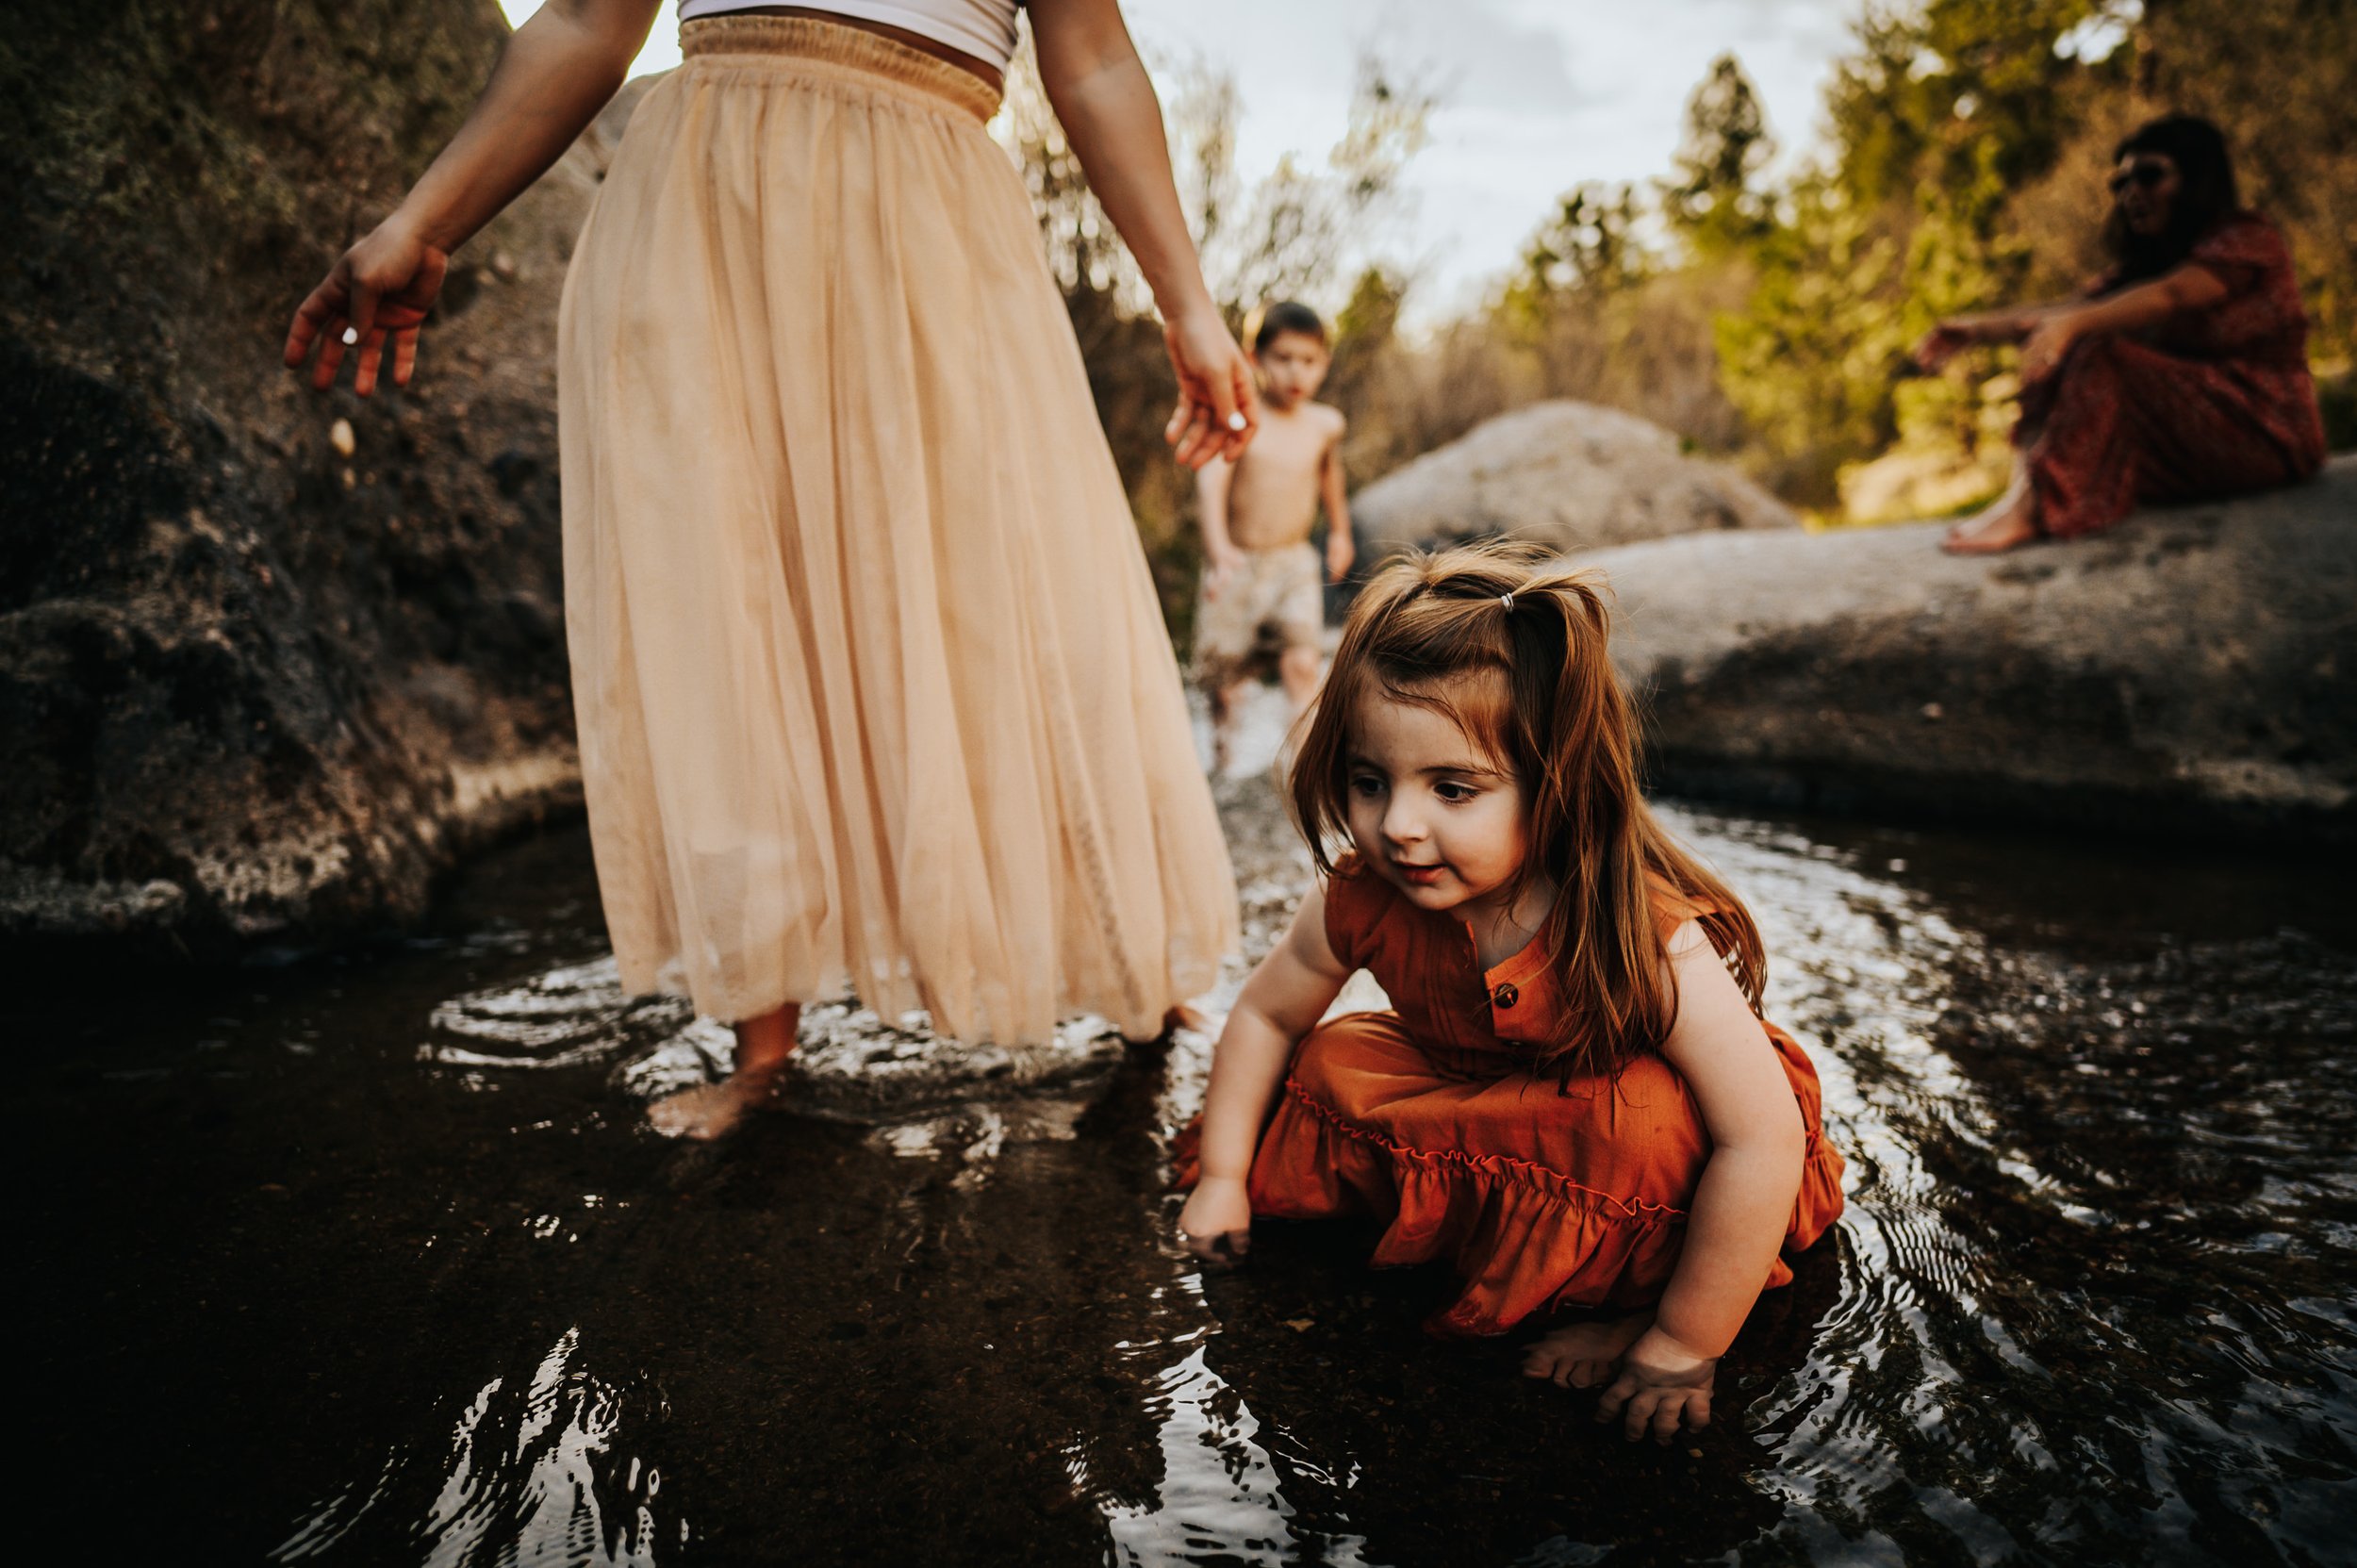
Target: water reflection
x=304 y=1251
x=2047 y=1331
x=852 y=1065
x=532 y=1476
x=1220 y=1495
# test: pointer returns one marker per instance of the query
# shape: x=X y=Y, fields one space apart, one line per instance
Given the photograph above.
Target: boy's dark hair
x=1283 y=317
x=2206 y=195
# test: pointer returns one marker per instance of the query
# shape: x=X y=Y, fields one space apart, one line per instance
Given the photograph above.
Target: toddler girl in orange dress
x=1574 y=1100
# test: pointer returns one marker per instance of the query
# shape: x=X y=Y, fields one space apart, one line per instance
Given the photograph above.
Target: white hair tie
x=1506 y=600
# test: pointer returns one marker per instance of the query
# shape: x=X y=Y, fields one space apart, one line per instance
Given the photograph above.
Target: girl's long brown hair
x=1566 y=729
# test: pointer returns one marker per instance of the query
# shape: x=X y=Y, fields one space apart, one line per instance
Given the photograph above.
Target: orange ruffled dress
x=1431 y=1119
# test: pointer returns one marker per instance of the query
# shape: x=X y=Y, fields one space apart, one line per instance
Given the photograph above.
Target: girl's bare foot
x=1584 y=1355
x=712 y=1110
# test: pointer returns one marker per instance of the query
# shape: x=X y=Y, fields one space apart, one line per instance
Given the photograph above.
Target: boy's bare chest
x=1284 y=452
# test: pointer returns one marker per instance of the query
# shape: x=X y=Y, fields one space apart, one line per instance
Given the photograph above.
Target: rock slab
x=1568 y=475
x=2193 y=670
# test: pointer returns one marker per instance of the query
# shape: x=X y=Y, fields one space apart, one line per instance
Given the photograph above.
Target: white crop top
x=983 y=28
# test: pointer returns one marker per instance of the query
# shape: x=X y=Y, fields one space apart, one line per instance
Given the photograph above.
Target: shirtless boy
x=1262 y=595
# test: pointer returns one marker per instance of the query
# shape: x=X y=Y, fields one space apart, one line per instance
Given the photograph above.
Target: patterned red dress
x=1431 y=1120
x=2214 y=401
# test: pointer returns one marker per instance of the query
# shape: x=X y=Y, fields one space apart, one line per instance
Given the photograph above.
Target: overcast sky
x=1537 y=95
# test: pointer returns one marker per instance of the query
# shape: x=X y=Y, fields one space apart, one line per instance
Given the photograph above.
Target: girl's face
x=1435 y=816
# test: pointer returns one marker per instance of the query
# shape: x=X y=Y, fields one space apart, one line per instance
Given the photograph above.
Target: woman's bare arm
x=1985 y=326
x=2189 y=286
x=2046 y=331
x=1105 y=101
x=2011 y=326
x=561 y=66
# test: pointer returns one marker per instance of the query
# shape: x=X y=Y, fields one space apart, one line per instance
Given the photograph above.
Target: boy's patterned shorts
x=1274 y=600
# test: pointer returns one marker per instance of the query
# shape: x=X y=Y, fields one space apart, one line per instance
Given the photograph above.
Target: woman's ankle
x=763 y=1044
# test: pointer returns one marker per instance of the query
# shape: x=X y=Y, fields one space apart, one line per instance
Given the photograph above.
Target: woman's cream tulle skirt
x=871 y=683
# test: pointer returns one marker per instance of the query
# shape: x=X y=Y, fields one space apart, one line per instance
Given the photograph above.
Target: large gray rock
x=1570 y=475
x=2192 y=669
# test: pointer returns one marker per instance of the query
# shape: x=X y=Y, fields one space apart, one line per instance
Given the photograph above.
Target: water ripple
x=532 y=1476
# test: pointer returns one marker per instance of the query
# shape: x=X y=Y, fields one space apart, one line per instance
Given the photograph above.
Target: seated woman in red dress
x=2182 y=372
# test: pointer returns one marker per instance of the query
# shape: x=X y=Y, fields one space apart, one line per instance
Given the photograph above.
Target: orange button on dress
x=1431 y=1119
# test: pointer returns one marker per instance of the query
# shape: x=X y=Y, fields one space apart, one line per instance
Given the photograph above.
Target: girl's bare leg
x=1584 y=1355
x=710 y=1110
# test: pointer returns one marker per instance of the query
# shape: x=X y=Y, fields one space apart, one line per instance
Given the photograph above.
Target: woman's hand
x=1216 y=1224
x=2042 y=352
x=382 y=287
x=1216 y=414
x=1941 y=345
x=1663 y=1386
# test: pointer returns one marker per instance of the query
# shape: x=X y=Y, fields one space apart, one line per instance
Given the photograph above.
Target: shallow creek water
x=370 y=1260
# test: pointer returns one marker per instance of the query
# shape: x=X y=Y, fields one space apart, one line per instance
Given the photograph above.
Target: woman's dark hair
x=1283 y=317
x=2205 y=195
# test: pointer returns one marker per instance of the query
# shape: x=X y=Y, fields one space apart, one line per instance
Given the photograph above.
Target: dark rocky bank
x=270 y=661
x=2189 y=673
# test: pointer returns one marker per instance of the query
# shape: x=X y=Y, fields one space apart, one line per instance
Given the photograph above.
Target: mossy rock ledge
x=256 y=688
x=2192 y=673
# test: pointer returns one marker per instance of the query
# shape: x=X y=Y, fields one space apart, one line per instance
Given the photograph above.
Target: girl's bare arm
x=1283 y=1001
x=561 y=66
x=1106 y=104
x=1744 y=1202
x=1741 y=1207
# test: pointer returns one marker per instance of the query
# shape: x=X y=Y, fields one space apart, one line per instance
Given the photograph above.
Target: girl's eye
x=1455 y=793
x=1366 y=784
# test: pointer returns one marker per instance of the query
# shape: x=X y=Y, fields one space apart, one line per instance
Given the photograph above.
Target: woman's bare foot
x=1584 y=1355
x=2005 y=523
x=712 y=1110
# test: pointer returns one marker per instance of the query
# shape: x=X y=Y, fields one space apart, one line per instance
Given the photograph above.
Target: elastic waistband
x=831 y=49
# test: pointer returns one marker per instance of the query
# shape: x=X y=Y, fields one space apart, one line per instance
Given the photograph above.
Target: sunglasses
x=2143 y=175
